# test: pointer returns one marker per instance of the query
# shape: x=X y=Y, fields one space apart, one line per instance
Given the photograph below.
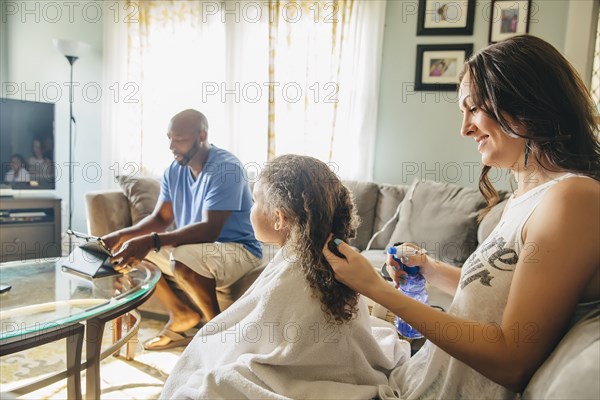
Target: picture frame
x=509 y=18
x=445 y=17
x=438 y=65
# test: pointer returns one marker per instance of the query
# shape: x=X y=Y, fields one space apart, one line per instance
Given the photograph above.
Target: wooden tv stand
x=30 y=228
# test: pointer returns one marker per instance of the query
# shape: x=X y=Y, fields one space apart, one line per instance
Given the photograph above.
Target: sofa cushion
x=364 y=195
x=572 y=370
x=390 y=197
x=142 y=194
x=440 y=217
x=107 y=211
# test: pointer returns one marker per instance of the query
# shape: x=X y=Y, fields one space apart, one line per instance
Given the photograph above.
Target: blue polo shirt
x=221 y=186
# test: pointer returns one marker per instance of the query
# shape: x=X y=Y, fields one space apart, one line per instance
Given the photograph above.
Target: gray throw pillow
x=390 y=197
x=364 y=195
x=142 y=194
x=573 y=368
x=441 y=218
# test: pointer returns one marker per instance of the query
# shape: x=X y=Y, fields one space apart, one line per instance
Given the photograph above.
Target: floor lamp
x=72 y=50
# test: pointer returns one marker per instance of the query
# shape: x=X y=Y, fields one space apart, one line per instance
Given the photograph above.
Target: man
x=204 y=192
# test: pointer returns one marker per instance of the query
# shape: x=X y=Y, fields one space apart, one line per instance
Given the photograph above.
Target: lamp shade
x=70 y=48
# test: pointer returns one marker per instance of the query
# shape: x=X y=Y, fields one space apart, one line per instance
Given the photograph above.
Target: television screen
x=27 y=145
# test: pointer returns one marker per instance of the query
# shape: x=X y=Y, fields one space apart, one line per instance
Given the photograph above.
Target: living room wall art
x=441 y=17
x=509 y=18
x=438 y=65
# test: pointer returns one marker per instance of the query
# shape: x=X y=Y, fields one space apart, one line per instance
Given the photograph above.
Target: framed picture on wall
x=509 y=18
x=438 y=65
x=445 y=17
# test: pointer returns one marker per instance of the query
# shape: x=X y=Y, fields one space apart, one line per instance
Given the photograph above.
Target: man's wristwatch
x=156 y=241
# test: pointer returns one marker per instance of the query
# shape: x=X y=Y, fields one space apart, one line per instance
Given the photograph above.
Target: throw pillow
x=390 y=197
x=364 y=195
x=572 y=370
x=142 y=194
x=441 y=218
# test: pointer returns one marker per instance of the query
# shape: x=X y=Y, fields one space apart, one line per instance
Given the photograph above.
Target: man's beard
x=190 y=154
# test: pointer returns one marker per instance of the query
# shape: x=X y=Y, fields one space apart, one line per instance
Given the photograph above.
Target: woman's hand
x=354 y=271
x=410 y=255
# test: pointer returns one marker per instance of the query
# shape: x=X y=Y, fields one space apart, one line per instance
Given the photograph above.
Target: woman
x=538 y=272
x=39 y=165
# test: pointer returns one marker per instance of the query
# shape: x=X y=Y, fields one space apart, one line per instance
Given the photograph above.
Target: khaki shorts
x=224 y=262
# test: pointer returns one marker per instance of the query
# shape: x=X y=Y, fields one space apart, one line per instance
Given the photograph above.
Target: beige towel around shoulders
x=274 y=342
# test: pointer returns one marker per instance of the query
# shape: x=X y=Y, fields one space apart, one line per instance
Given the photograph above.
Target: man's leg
x=181 y=316
x=202 y=291
x=199 y=268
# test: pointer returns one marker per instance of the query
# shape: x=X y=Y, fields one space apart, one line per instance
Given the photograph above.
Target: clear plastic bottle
x=414 y=287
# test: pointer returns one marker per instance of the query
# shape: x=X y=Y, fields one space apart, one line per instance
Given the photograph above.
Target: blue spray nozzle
x=409 y=270
x=392 y=251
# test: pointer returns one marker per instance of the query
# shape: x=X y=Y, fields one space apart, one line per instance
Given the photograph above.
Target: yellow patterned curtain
x=305 y=52
x=595 y=86
x=174 y=51
x=272 y=77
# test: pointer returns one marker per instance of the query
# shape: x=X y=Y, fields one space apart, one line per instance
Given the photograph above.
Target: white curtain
x=318 y=63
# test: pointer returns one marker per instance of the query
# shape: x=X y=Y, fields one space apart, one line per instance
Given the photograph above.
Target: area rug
x=141 y=378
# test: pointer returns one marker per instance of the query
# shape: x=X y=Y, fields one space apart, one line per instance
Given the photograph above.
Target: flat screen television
x=27 y=155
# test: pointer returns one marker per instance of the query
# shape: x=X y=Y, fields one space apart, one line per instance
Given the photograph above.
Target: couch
x=440 y=217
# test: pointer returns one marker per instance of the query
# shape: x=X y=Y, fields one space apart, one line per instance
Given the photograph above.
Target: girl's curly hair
x=315 y=203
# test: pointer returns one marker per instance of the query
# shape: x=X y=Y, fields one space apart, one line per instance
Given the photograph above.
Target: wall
x=418 y=132
x=3 y=45
x=41 y=73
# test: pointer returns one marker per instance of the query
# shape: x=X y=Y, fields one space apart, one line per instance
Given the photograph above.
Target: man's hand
x=113 y=241
x=132 y=252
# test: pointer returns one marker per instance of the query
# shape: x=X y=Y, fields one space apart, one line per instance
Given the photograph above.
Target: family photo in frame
x=509 y=18
x=438 y=65
x=442 y=17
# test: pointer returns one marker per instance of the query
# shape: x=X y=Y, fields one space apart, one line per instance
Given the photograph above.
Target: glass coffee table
x=46 y=303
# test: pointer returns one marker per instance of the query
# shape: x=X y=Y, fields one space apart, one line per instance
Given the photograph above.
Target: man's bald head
x=189 y=121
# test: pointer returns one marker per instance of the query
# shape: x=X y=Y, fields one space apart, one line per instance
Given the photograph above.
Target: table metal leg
x=74 y=344
x=117 y=331
x=94 y=332
x=132 y=324
x=74 y=340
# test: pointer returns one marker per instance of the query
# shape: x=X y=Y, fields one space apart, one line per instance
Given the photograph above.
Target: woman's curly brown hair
x=315 y=203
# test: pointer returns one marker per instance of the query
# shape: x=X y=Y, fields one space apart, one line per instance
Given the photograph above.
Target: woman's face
x=497 y=148
x=262 y=221
x=37 y=149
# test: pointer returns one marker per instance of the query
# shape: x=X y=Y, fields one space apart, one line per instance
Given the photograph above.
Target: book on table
x=90 y=259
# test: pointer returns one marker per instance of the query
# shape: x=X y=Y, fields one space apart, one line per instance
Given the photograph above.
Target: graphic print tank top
x=481 y=295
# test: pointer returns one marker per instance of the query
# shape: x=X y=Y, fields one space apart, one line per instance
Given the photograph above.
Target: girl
x=296 y=332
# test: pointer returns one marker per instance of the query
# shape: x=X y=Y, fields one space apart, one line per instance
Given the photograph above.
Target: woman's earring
x=527 y=151
x=277 y=225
